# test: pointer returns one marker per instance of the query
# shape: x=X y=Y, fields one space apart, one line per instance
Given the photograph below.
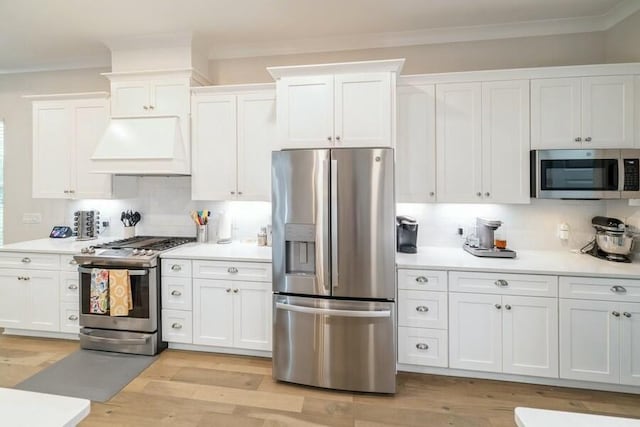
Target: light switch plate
x=31 y=218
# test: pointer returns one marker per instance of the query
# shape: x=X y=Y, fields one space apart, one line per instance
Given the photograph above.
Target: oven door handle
x=134 y=341
x=131 y=272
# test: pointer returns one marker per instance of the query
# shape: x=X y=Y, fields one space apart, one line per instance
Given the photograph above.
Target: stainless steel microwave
x=585 y=174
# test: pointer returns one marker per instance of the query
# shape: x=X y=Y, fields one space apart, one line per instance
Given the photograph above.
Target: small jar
x=262 y=237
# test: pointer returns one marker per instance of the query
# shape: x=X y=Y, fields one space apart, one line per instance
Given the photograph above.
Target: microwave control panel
x=631 y=175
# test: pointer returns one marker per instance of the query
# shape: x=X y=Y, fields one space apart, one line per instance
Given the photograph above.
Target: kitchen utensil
x=136 y=218
x=613 y=240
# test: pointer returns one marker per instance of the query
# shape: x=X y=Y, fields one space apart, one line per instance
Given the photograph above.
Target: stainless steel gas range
x=139 y=331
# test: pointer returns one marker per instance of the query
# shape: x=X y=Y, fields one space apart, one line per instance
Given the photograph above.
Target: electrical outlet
x=31 y=218
x=106 y=222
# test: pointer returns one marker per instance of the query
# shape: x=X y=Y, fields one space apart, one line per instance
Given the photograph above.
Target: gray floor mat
x=94 y=375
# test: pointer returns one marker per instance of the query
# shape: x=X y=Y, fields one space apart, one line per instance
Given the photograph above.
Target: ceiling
x=58 y=34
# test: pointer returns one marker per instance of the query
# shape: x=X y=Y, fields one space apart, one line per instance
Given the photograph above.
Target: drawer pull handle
x=616 y=313
x=73 y=317
x=498 y=306
x=26 y=278
x=176 y=326
x=422 y=346
x=421 y=279
x=232 y=270
x=72 y=287
x=508 y=307
x=176 y=267
x=618 y=289
x=422 y=308
x=26 y=260
x=626 y=314
x=501 y=283
x=176 y=293
x=73 y=262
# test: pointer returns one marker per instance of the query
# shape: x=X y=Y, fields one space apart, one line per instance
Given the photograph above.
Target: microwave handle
x=131 y=272
x=621 y=173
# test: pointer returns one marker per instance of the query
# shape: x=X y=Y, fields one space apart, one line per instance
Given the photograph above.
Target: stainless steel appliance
x=585 y=174
x=406 y=234
x=140 y=332
x=613 y=240
x=86 y=224
x=481 y=243
x=334 y=268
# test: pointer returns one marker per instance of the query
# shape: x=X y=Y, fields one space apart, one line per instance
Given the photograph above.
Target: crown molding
x=430 y=36
x=95 y=61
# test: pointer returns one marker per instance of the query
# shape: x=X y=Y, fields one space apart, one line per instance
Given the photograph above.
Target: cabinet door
x=555 y=113
x=129 y=98
x=256 y=139
x=177 y=326
x=363 y=110
x=589 y=341
x=607 y=112
x=630 y=344
x=13 y=299
x=422 y=309
x=252 y=315
x=90 y=119
x=43 y=300
x=213 y=174
x=69 y=287
x=52 y=150
x=416 y=144
x=458 y=142
x=505 y=142
x=530 y=336
x=169 y=97
x=475 y=332
x=69 y=317
x=212 y=312
x=305 y=112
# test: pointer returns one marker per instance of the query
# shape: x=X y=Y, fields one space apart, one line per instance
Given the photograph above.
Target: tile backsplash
x=165 y=204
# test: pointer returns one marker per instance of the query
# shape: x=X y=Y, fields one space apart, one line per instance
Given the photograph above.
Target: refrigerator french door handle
x=332 y=311
x=334 y=223
x=324 y=250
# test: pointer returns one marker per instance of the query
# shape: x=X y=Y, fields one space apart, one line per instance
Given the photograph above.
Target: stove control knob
x=91 y=250
x=148 y=252
x=135 y=252
x=84 y=250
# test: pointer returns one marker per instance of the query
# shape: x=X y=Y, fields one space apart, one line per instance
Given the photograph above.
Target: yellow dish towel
x=120 y=301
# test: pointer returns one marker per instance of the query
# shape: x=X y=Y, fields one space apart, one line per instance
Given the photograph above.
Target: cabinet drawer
x=422 y=309
x=427 y=347
x=505 y=284
x=69 y=287
x=424 y=280
x=176 y=293
x=26 y=260
x=69 y=317
x=67 y=263
x=177 y=326
x=176 y=267
x=602 y=289
x=248 y=271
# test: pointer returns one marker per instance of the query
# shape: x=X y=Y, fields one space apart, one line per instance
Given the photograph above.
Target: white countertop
x=532 y=262
x=531 y=417
x=53 y=246
x=20 y=408
x=235 y=251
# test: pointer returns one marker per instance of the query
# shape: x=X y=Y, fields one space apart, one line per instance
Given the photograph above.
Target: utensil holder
x=129 y=232
x=202 y=235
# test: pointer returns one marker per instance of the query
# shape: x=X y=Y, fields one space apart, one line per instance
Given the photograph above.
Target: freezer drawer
x=338 y=344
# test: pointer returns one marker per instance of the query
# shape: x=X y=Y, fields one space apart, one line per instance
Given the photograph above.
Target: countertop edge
x=168 y=255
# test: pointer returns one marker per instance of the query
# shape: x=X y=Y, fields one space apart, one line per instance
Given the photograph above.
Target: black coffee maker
x=406 y=234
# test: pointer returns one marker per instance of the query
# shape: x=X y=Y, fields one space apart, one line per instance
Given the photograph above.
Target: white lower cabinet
x=503 y=333
x=630 y=344
x=177 y=326
x=69 y=317
x=419 y=346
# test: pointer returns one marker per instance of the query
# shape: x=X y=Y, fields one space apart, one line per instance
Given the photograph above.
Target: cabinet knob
x=422 y=308
x=26 y=278
x=626 y=314
x=329 y=138
x=240 y=193
x=176 y=293
x=422 y=346
x=176 y=326
x=337 y=138
x=578 y=139
x=421 y=279
x=145 y=107
x=487 y=194
x=498 y=306
x=26 y=260
x=232 y=192
x=479 y=194
x=228 y=290
x=501 y=283
x=151 y=107
x=176 y=267
x=72 y=191
x=616 y=313
x=66 y=191
x=232 y=270
x=508 y=307
x=72 y=287
x=73 y=317
x=618 y=289
x=587 y=139
x=235 y=291
x=432 y=193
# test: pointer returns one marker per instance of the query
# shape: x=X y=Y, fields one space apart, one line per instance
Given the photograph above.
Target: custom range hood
x=142 y=146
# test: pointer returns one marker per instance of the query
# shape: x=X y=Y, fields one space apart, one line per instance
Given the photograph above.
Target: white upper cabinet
x=482 y=142
x=587 y=112
x=336 y=105
x=149 y=97
x=233 y=136
x=416 y=144
x=65 y=134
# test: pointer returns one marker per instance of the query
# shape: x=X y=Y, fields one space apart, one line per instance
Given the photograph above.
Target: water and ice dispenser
x=300 y=248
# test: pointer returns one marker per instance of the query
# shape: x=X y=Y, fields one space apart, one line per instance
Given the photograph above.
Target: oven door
x=144 y=292
x=577 y=174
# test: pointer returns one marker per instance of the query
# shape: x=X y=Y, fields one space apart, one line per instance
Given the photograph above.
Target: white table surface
x=20 y=408
x=530 y=417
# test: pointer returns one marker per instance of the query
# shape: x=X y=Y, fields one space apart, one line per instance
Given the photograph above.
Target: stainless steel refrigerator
x=334 y=268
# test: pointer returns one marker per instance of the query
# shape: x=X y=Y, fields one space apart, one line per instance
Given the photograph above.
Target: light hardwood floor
x=206 y=389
